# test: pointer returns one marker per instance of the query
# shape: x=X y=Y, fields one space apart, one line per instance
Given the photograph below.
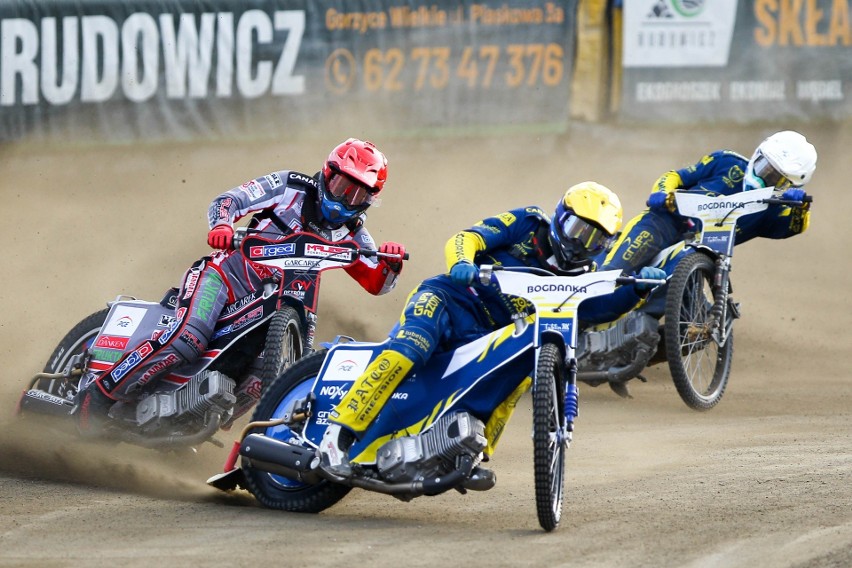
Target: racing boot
x=333 y=451
x=92 y=411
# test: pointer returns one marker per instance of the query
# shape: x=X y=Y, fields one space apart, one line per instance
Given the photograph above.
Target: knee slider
x=415 y=343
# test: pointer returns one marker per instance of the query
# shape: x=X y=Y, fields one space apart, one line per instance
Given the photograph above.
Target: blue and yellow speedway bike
x=689 y=322
x=442 y=421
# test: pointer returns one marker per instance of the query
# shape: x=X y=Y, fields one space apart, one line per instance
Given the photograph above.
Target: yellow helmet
x=585 y=223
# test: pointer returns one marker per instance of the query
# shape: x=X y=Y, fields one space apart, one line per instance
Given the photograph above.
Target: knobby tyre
x=285 y=344
x=548 y=444
x=700 y=368
x=274 y=491
x=75 y=342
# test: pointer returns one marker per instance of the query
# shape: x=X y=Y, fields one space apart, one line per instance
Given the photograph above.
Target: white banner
x=678 y=33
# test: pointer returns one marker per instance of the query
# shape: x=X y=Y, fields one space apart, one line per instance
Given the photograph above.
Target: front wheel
x=548 y=436
x=275 y=491
x=699 y=366
x=74 y=343
x=285 y=344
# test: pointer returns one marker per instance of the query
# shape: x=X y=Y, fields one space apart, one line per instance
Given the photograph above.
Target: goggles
x=350 y=193
x=770 y=176
x=573 y=230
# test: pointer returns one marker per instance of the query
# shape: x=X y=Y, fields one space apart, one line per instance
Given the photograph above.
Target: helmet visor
x=582 y=237
x=351 y=193
x=768 y=174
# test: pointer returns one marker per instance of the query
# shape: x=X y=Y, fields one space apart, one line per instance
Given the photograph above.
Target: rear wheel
x=275 y=491
x=75 y=342
x=699 y=366
x=548 y=436
x=285 y=344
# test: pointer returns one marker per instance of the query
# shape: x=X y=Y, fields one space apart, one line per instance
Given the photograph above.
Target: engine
x=205 y=393
x=619 y=352
x=434 y=452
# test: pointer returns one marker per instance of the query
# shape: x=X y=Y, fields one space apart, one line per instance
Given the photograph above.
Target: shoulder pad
x=536 y=211
x=303 y=180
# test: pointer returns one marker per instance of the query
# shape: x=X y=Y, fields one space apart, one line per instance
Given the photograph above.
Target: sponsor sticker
x=267 y=251
x=274 y=180
x=124 y=321
x=318 y=250
x=253 y=189
x=112 y=342
x=347 y=365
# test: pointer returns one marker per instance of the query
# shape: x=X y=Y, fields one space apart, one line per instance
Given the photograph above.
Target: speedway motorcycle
x=442 y=421
x=696 y=308
x=255 y=339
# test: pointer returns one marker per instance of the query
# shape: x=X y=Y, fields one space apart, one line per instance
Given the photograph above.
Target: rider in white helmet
x=785 y=161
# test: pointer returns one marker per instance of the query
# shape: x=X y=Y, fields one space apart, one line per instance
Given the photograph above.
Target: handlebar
x=486 y=271
x=242 y=232
x=371 y=252
x=622 y=280
x=790 y=202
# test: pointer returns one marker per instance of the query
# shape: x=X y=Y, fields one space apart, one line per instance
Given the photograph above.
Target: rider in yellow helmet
x=451 y=309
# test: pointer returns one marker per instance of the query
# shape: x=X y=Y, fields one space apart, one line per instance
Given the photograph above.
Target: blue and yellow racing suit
x=718 y=173
x=441 y=315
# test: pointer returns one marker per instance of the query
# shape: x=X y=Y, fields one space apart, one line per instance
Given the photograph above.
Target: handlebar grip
x=371 y=252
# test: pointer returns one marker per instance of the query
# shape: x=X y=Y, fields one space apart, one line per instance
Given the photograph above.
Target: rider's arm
x=781 y=221
x=503 y=230
x=669 y=182
x=463 y=246
x=376 y=276
x=262 y=193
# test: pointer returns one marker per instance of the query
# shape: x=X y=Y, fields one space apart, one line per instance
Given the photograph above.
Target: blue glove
x=794 y=194
x=649 y=272
x=661 y=201
x=463 y=272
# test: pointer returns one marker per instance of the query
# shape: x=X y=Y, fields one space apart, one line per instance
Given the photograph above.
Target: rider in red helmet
x=331 y=204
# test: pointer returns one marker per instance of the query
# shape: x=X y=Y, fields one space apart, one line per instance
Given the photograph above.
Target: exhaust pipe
x=268 y=454
x=294 y=462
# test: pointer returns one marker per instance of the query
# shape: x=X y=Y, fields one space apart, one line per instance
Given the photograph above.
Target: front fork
x=572 y=398
x=718 y=313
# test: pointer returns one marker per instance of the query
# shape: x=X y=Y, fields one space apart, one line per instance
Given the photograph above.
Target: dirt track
x=764 y=479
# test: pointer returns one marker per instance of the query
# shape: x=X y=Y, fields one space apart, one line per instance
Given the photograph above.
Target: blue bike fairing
x=476 y=378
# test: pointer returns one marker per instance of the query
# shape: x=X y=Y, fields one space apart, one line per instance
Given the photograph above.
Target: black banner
x=175 y=69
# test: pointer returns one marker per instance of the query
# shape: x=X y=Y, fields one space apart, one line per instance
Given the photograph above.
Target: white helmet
x=785 y=159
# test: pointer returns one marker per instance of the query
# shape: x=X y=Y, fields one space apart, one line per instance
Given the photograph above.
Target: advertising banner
x=761 y=60
x=179 y=69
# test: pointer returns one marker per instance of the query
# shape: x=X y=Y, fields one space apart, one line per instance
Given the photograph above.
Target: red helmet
x=360 y=160
x=352 y=178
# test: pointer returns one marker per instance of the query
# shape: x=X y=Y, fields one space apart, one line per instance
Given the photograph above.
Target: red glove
x=395 y=249
x=221 y=237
